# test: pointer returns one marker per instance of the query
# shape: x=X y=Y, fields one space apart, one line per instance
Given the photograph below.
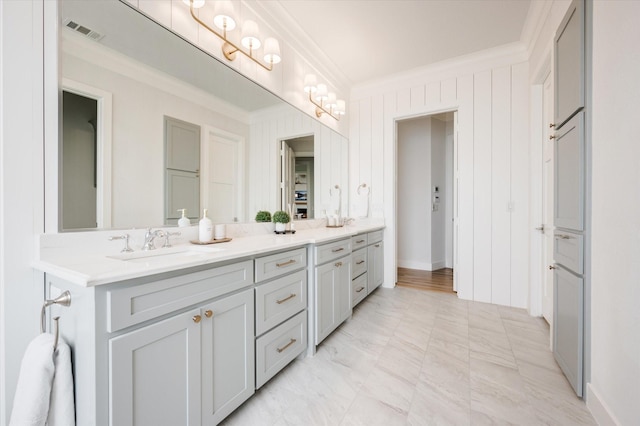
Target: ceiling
x=371 y=39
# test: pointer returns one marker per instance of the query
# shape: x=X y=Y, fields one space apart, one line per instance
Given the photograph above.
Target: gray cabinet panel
x=569 y=175
x=228 y=375
x=154 y=374
x=183 y=192
x=568 y=250
x=375 y=271
x=568 y=325
x=182 y=142
x=569 y=64
x=333 y=296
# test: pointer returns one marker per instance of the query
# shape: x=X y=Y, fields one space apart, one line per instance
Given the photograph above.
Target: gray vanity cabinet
x=375 y=258
x=155 y=374
x=332 y=287
x=195 y=365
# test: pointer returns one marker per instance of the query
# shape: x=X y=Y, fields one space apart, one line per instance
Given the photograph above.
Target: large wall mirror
x=123 y=78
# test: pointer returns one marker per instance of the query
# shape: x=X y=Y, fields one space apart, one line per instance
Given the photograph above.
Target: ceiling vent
x=87 y=32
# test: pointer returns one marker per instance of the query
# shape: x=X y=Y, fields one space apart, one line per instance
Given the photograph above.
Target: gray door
x=569 y=64
x=569 y=175
x=182 y=169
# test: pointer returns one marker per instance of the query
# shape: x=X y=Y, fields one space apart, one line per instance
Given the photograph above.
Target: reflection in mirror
x=79 y=151
x=140 y=72
x=297 y=183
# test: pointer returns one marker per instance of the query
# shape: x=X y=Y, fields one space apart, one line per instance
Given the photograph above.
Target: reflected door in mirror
x=79 y=186
x=182 y=159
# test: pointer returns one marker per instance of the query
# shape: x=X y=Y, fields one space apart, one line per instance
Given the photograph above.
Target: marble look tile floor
x=414 y=357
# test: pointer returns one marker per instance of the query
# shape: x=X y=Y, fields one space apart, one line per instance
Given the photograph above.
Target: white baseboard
x=598 y=408
x=422 y=266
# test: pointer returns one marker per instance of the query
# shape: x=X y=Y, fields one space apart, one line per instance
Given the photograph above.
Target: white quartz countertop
x=70 y=258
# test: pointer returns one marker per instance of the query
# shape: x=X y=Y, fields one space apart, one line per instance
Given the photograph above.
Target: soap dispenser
x=184 y=220
x=205 y=228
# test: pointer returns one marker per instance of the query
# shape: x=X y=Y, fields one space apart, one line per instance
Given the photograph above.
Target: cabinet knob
x=208 y=313
x=551 y=125
x=338 y=264
x=552 y=137
x=552 y=267
x=196 y=318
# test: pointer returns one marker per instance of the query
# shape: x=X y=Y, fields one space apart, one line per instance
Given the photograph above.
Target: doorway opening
x=425 y=206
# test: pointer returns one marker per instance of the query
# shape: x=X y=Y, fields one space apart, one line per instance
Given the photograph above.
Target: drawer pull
x=359 y=241
x=291 y=342
x=338 y=264
x=551 y=267
x=377 y=246
x=337 y=250
x=359 y=290
x=563 y=237
x=281 y=301
x=196 y=318
x=287 y=263
x=360 y=262
x=208 y=313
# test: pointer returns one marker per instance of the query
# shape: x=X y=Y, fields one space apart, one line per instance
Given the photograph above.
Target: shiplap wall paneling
x=375 y=178
x=482 y=187
x=465 y=128
x=390 y=106
x=363 y=158
x=354 y=151
x=448 y=91
x=433 y=93
x=417 y=96
x=521 y=228
x=403 y=99
x=501 y=185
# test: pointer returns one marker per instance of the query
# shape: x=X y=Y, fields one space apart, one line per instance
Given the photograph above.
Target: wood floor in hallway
x=439 y=280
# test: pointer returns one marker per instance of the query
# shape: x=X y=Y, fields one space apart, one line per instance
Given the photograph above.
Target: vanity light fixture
x=325 y=101
x=223 y=20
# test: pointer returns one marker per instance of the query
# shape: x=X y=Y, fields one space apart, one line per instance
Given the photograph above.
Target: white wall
x=21 y=185
x=490 y=92
x=438 y=178
x=448 y=196
x=414 y=181
x=615 y=326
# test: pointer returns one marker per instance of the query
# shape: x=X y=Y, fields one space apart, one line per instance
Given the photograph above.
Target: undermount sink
x=165 y=254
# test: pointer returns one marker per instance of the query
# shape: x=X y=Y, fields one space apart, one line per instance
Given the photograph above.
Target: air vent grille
x=87 y=32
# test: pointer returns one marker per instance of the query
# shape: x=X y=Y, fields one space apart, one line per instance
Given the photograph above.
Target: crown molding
x=290 y=31
x=536 y=18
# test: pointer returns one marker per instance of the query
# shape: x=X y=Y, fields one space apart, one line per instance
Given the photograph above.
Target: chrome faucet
x=149 y=237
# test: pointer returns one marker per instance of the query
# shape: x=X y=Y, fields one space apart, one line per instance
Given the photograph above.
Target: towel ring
x=63 y=300
x=363 y=186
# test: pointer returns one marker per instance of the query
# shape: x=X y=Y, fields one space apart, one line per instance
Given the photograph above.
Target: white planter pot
x=281 y=227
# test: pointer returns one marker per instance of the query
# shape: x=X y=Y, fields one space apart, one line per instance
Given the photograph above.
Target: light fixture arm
x=320 y=109
x=229 y=49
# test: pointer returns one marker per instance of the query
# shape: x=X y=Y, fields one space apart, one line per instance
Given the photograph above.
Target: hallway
x=439 y=280
x=412 y=357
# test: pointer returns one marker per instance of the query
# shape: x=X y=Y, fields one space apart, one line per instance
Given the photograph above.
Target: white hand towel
x=61 y=405
x=31 y=402
x=44 y=396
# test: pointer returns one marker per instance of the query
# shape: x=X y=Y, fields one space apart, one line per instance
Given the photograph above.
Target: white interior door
x=223 y=176
x=547 y=204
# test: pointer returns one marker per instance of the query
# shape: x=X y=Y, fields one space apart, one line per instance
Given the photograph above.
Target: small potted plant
x=263 y=216
x=281 y=218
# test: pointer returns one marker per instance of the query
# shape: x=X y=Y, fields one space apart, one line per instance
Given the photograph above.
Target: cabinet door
x=155 y=374
x=228 y=357
x=569 y=175
x=568 y=325
x=375 y=276
x=333 y=296
x=183 y=192
x=569 y=64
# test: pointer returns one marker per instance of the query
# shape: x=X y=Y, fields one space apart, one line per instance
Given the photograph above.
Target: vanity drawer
x=280 y=346
x=359 y=289
x=133 y=305
x=278 y=300
x=568 y=250
x=330 y=251
x=375 y=236
x=358 y=263
x=358 y=241
x=268 y=267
